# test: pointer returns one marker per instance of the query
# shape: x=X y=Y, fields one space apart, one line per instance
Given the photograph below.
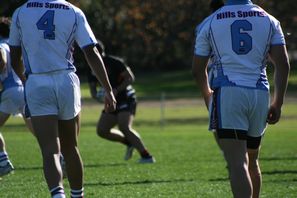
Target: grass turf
x=189 y=163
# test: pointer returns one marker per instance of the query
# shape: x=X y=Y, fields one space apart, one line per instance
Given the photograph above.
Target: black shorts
x=252 y=142
x=128 y=105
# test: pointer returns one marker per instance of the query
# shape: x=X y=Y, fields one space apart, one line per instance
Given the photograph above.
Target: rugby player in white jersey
x=11 y=94
x=44 y=31
x=241 y=36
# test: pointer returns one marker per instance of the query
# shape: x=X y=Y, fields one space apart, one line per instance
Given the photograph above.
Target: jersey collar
x=238 y=2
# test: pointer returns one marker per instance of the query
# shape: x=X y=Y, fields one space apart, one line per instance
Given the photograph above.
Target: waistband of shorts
x=54 y=72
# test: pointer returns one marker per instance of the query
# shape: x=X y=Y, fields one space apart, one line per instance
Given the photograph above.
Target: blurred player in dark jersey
x=121 y=78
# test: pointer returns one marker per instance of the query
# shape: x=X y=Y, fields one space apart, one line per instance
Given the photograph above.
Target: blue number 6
x=46 y=23
x=241 y=41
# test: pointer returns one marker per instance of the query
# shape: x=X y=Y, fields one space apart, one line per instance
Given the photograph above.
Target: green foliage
x=157 y=34
x=147 y=33
x=160 y=34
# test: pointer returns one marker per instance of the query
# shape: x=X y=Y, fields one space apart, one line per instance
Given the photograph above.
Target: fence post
x=162 y=110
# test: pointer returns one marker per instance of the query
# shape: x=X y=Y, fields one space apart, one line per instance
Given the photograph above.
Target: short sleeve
x=84 y=35
x=14 y=35
x=278 y=37
x=202 y=43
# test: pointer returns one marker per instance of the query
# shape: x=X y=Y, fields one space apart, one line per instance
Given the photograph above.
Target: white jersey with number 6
x=240 y=53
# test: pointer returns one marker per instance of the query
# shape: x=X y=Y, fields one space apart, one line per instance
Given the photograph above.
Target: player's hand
x=109 y=102
x=274 y=114
x=207 y=98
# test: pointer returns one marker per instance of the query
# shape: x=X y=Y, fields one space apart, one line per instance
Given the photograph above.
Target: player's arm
x=127 y=77
x=16 y=62
x=199 y=70
x=95 y=62
x=279 y=57
x=3 y=60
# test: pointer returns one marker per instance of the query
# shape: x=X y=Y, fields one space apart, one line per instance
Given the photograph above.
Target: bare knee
x=125 y=129
x=69 y=150
x=254 y=167
x=101 y=132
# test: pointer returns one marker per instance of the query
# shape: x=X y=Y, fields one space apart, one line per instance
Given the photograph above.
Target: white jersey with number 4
x=239 y=36
x=48 y=44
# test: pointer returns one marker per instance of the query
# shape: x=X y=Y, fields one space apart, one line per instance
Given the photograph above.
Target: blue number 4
x=46 y=23
x=241 y=41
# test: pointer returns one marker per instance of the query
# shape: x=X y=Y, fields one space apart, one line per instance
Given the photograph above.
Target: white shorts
x=55 y=93
x=239 y=108
x=12 y=100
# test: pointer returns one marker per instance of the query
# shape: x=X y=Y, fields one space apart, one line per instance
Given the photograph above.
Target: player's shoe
x=147 y=160
x=6 y=169
x=129 y=153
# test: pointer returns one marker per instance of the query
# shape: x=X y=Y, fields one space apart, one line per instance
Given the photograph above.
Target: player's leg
x=3 y=118
x=253 y=146
x=256 y=131
x=41 y=97
x=69 y=107
x=5 y=164
x=236 y=156
x=68 y=133
x=229 y=118
x=28 y=124
x=215 y=134
x=7 y=107
x=105 y=130
x=46 y=130
x=125 y=120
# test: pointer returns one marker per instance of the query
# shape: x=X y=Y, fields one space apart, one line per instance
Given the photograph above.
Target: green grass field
x=189 y=163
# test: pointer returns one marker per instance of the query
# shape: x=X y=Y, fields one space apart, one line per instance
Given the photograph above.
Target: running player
x=121 y=78
x=43 y=31
x=241 y=35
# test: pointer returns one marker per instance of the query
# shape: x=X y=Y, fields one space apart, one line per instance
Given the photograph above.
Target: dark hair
x=216 y=4
x=4 y=27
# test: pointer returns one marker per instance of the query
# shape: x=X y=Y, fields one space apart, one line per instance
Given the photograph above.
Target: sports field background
x=189 y=163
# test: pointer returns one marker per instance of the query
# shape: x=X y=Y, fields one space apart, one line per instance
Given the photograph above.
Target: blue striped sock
x=58 y=192
x=3 y=158
x=77 y=193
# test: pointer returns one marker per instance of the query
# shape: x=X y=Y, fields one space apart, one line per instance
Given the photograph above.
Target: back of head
x=4 y=27
x=216 y=4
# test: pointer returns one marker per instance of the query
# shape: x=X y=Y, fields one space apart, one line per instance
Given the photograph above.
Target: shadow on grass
x=277 y=158
x=104 y=165
x=138 y=182
x=27 y=168
x=281 y=172
x=219 y=179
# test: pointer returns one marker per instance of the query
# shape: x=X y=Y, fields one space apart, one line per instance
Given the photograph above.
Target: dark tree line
x=158 y=34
